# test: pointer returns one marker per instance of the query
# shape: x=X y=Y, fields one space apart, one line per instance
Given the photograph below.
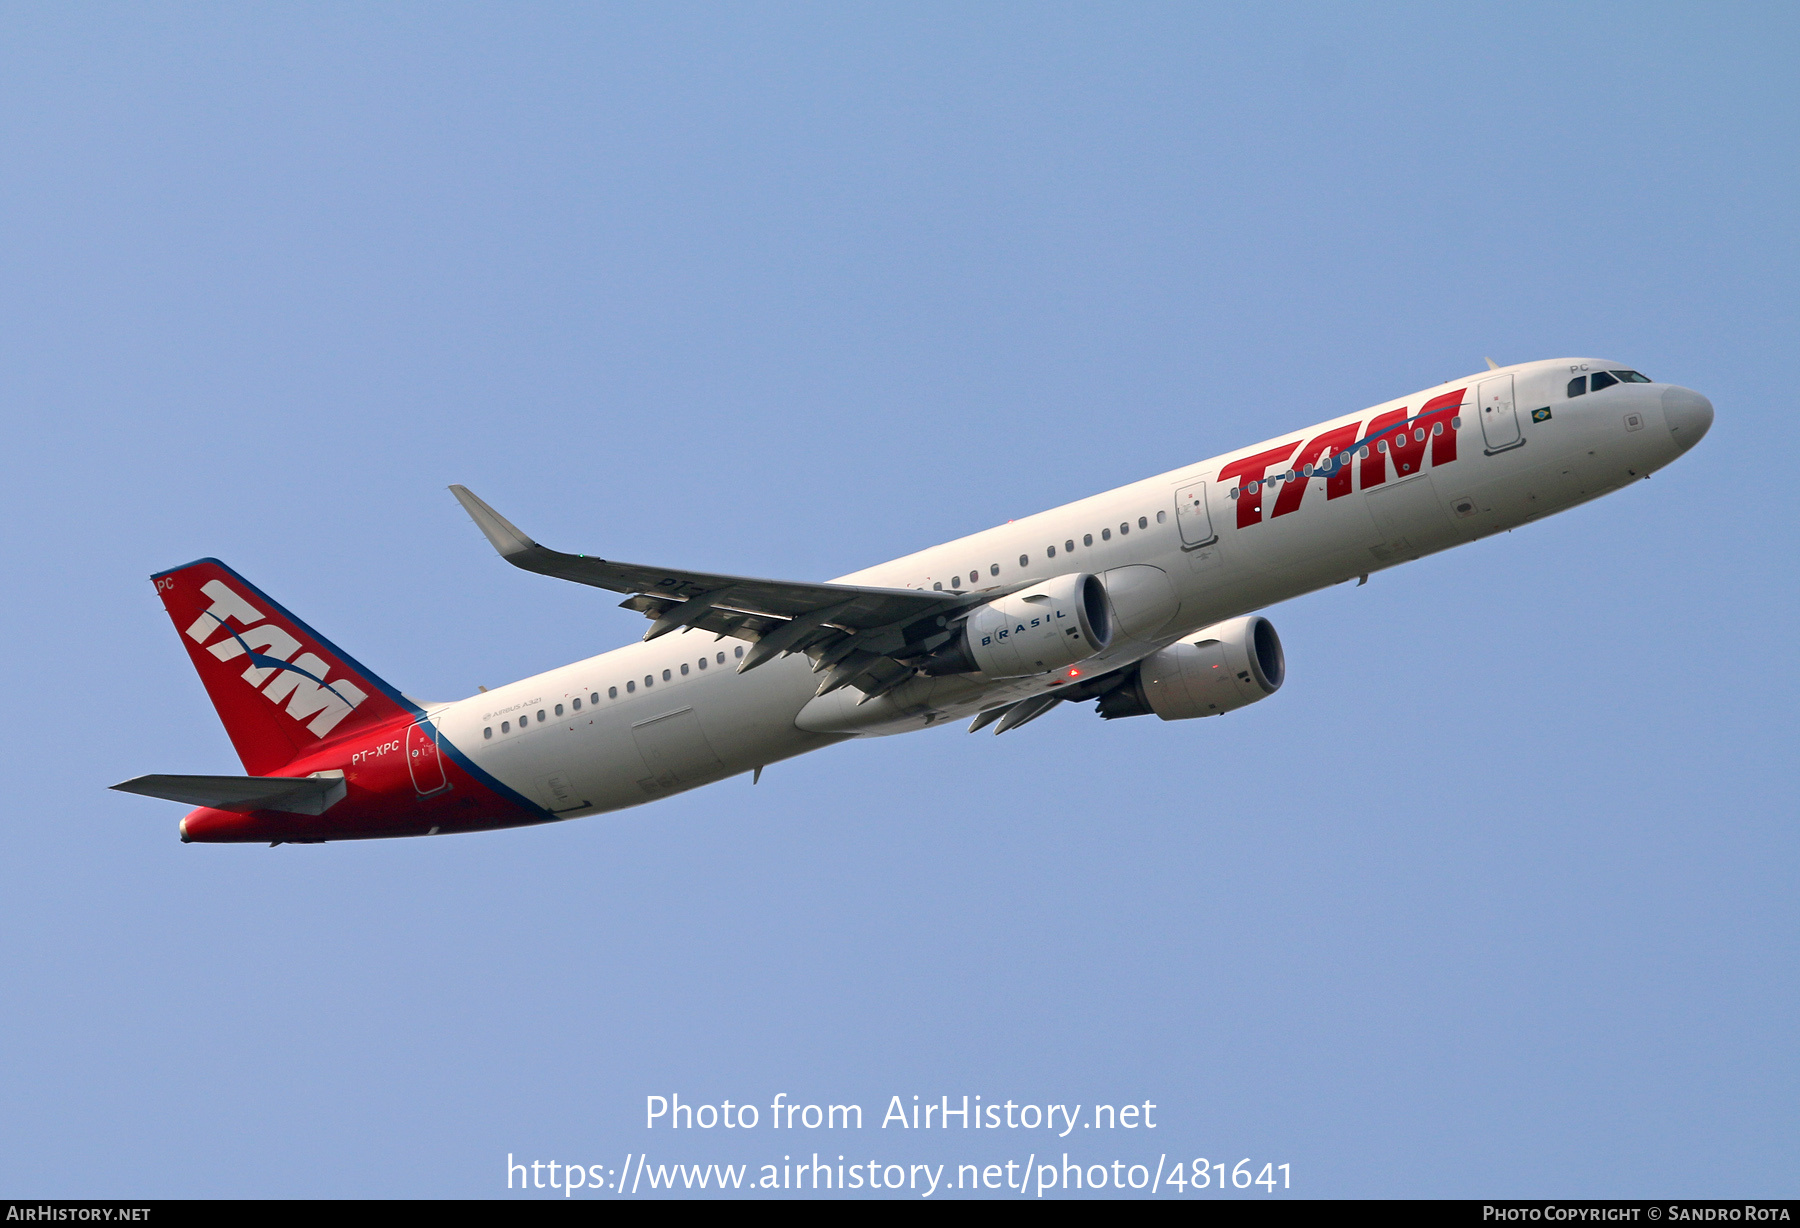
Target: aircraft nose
x=1689 y=415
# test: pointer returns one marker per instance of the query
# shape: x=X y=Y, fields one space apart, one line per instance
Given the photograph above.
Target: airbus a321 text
x=1142 y=599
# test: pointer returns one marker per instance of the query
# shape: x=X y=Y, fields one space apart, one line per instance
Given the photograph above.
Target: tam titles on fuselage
x=1142 y=598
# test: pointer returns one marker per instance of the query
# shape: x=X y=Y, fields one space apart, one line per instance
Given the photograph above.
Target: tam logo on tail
x=301 y=682
x=279 y=686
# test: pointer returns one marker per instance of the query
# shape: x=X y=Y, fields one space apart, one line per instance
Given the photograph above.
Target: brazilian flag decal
x=1540 y=415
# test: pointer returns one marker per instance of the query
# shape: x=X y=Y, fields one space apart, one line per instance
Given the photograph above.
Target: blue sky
x=1496 y=897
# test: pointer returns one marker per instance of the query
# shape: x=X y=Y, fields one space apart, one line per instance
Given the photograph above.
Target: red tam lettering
x=1337 y=483
x=1249 y=491
x=1374 y=466
x=1441 y=411
x=1435 y=422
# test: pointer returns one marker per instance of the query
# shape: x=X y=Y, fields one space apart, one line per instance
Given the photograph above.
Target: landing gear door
x=1195 y=519
x=1499 y=419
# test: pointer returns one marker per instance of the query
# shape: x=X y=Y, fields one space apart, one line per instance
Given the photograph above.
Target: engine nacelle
x=1209 y=673
x=1033 y=631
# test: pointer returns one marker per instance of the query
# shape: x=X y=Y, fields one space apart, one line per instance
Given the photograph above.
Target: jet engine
x=1033 y=631
x=1225 y=666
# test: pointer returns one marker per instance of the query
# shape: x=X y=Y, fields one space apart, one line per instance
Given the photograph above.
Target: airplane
x=1142 y=599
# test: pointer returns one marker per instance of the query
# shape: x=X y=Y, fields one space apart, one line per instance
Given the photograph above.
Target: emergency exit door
x=1195 y=519
x=1499 y=419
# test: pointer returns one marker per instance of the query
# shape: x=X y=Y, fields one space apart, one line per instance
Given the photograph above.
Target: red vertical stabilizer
x=281 y=689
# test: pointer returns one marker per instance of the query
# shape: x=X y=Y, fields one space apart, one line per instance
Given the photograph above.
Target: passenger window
x=1382 y=446
x=666 y=675
x=540 y=716
x=738 y=651
x=488 y=732
x=1144 y=521
x=630 y=687
x=1632 y=377
x=938 y=587
x=1124 y=529
x=1578 y=386
x=505 y=726
x=612 y=692
x=577 y=704
x=974 y=576
x=523 y=720
x=721 y=658
x=1087 y=539
x=594 y=699
x=1024 y=561
x=1163 y=516
x=1049 y=552
x=559 y=711
x=702 y=663
x=649 y=681
x=993 y=569
x=1437 y=428
x=684 y=670
x=1599 y=380
x=1105 y=535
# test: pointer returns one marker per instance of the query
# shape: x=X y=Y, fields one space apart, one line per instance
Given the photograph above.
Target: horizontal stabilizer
x=289 y=794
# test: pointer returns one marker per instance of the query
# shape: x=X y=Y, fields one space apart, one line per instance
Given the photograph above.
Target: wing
x=864 y=637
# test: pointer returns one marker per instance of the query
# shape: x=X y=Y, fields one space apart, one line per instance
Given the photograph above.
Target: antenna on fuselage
x=1492 y=365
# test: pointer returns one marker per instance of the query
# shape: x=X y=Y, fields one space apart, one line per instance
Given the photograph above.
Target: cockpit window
x=1578 y=386
x=1599 y=380
x=1631 y=377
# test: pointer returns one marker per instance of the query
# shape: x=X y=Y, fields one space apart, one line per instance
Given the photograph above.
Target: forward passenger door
x=1499 y=418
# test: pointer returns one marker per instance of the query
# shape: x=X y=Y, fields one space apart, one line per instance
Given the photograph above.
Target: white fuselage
x=1178 y=552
